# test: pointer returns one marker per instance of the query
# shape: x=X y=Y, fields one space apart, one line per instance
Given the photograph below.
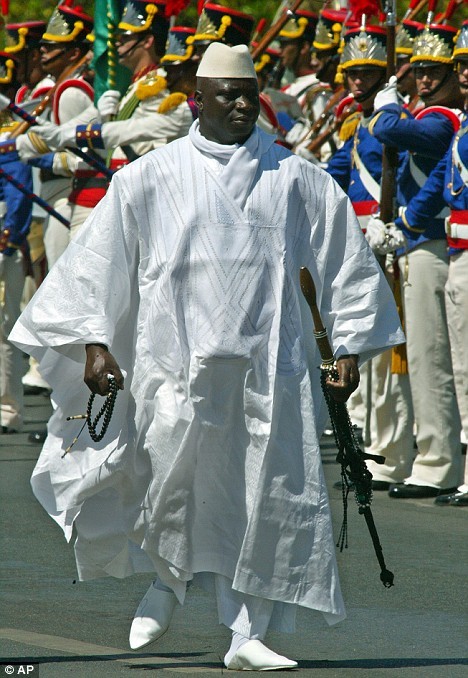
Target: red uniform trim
x=459 y=216
x=20 y=94
x=268 y=109
x=87 y=197
x=118 y=163
x=457 y=243
x=364 y=208
x=448 y=112
x=77 y=83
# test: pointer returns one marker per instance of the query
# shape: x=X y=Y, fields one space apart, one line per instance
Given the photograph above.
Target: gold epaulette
x=150 y=86
x=172 y=101
x=7 y=126
x=349 y=126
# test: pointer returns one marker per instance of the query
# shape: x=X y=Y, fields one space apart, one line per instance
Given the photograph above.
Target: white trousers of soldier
x=438 y=460
x=11 y=358
x=389 y=419
x=388 y=424
x=56 y=234
x=456 y=297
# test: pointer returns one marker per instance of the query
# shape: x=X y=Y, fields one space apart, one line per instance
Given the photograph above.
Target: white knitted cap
x=221 y=61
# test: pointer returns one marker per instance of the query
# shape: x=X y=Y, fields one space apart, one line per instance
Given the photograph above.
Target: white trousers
x=79 y=214
x=57 y=236
x=456 y=298
x=438 y=461
x=390 y=416
x=11 y=358
x=248 y=615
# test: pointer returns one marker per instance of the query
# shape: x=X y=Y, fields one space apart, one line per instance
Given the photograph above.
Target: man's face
x=290 y=51
x=229 y=108
x=55 y=58
x=21 y=60
x=406 y=83
x=323 y=66
x=128 y=49
x=462 y=71
x=362 y=82
x=429 y=78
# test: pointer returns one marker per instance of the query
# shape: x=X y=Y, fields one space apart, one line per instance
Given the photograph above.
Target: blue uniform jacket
x=344 y=171
x=17 y=219
x=444 y=186
x=425 y=142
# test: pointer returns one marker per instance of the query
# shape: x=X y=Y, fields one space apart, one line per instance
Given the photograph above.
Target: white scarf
x=242 y=160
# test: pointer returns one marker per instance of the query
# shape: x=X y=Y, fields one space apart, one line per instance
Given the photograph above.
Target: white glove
x=108 y=104
x=388 y=95
x=55 y=136
x=384 y=238
x=297 y=132
x=304 y=152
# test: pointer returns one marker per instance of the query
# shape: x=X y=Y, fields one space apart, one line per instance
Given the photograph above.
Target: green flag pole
x=109 y=74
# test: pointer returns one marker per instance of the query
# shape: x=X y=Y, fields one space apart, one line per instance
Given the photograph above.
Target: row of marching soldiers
x=325 y=95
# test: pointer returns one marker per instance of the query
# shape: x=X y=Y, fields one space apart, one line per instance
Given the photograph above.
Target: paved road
x=416 y=629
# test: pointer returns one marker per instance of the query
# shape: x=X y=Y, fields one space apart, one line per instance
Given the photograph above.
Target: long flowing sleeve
x=357 y=305
x=87 y=295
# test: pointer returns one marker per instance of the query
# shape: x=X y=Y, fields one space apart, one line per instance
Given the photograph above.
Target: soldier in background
x=321 y=99
x=406 y=83
x=15 y=219
x=23 y=42
x=64 y=45
x=448 y=185
x=357 y=166
x=424 y=262
x=155 y=109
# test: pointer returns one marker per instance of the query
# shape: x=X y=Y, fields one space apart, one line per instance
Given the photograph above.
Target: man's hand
x=348 y=381
x=100 y=363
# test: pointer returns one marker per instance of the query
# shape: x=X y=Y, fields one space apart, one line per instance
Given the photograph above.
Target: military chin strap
x=372 y=90
x=354 y=472
x=438 y=87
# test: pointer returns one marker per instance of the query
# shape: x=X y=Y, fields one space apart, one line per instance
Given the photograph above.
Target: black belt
x=80 y=183
x=46 y=175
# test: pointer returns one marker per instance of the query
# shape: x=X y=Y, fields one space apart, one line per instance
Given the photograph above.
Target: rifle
x=414 y=7
x=33 y=197
x=389 y=153
x=317 y=141
x=273 y=31
x=90 y=158
x=352 y=459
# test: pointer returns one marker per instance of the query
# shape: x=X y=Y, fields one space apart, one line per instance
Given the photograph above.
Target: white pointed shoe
x=152 y=617
x=254 y=656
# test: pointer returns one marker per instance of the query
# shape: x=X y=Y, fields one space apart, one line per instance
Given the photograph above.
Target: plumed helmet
x=23 y=35
x=7 y=68
x=301 y=25
x=461 y=45
x=140 y=17
x=328 y=31
x=68 y=24
x=405 y=36
x=217 y=23
x=434 y=44
x=179 y=47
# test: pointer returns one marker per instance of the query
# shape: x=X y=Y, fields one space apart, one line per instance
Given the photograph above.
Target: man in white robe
x=188 y=271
